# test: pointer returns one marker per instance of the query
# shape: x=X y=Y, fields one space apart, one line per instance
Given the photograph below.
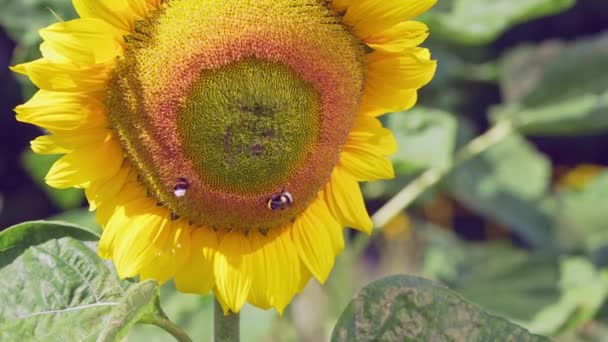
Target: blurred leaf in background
x=507 y=281
x=481 y=22
x=426 y=138
x=508 y=182
x=38 y=165
x=582 y=217
x=39 y=14
x=556 y=88
x=583 y=291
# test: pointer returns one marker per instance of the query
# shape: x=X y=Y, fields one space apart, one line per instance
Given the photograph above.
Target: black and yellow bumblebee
x=280 y=201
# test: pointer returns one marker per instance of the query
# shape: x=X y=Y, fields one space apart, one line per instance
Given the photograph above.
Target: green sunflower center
x=247 y=126
x=234 y=112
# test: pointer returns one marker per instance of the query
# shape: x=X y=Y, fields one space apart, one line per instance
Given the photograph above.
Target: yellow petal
x=368 y=17
x=399 y=37
x=153 y=4
x=392 y=80
x=345 y=201
x=276 y=269
x=383 y=100
x=366 y=150
x=141 y=8
x=341 y=5
x=130 y=200
x=49 y=75
x=119 y=13
x=82 y=166
x=115 y=12
x=233 y=271
x=134 y=245
x=65 y=143
x=315 y=238
x=86 y=41
x=46 y=145
x=58 y=112
x=368 y=133
x=102 y=191
x=169 y=255
x=197 y=274
x=367 y=166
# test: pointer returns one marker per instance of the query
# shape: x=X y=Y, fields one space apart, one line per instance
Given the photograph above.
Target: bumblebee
x=181 y=187
x=280 y=201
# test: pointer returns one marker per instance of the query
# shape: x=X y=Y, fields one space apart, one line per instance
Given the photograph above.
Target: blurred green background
x=517 y=221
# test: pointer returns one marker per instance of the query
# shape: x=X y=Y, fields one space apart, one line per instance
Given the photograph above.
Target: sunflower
x=222 y=142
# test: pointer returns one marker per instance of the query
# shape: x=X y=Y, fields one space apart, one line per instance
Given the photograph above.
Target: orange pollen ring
x=153 y=83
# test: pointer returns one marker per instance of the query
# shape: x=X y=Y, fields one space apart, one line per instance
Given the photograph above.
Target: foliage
x=54 y=286
x=406 y=308
x=519 y=99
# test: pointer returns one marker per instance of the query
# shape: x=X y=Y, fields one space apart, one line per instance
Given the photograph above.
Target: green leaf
x=55 y=287
x=508 y=182
x=584 y=290
x=407 y=308
x=139 y=303
x=581 y=215
x=479 y=22
x=37 y=165
x=53 y=284
x=587 y=114
x=526 y=281
x=556 y=88
x=426 y=138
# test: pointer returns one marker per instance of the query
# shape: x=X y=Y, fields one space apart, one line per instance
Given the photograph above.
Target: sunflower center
x=234 y=112
x=247 y=127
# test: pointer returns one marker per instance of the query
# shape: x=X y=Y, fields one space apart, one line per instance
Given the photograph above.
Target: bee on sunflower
x=222 y=142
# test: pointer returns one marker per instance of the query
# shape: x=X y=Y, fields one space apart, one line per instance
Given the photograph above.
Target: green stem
x=225 y=327
x=164 y=323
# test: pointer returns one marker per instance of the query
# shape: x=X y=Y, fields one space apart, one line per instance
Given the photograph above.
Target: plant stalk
x=226 y=328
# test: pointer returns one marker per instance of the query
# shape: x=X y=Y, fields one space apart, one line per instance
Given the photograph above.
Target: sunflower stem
x=226 y=328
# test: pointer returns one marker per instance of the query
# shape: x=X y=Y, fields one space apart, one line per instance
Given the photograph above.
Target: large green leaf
x=508 y=182
x=426 y=138
x=557 y=88
x=54 y=287
x=480 y=22
x=407 y=308
x=37 y=165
